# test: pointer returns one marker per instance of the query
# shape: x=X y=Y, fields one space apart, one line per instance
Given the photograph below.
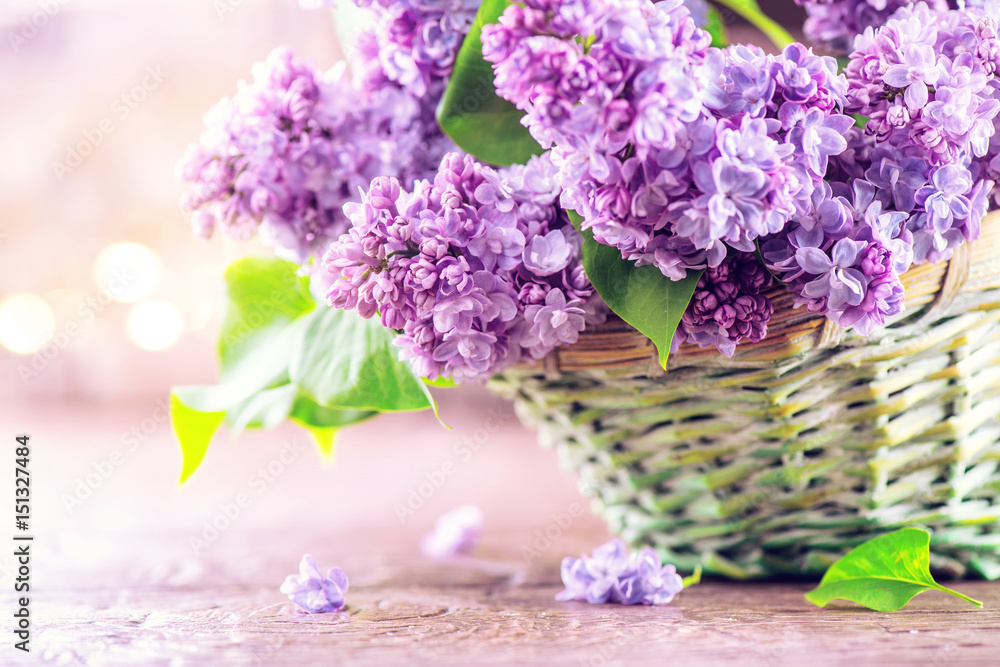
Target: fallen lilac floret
x=312 y=592
x=455 y=532
x=612 y=575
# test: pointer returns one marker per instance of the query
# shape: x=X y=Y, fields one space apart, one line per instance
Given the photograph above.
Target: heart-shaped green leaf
x=480 y=122
x=883 y=574
x=640 y=295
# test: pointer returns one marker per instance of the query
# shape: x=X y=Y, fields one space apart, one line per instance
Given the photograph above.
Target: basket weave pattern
x=781 y=458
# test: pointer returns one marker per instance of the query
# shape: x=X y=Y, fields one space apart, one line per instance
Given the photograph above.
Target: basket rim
x=931 y=293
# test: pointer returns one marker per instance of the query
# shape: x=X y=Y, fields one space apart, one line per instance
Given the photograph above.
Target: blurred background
x=105 y=294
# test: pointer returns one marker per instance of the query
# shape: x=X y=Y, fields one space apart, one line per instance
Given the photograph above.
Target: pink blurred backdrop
x=66 y=66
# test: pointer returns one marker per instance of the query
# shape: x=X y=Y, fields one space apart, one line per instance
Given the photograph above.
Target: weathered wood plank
x=119 y=583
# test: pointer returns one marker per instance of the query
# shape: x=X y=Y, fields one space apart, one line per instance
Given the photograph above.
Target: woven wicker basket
x=780 y=459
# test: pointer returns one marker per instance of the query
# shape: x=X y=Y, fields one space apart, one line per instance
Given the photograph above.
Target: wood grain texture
x=118 y=582
x=490 y=619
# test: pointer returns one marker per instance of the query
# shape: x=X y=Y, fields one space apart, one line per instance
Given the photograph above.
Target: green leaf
x=345 y=361
x=640 y=295
x=325 y=438
x=695 y=577
x=883 y=574
x=324 y=423
x=264 y=295
x=263 y=367
x=751 y=11
x=194 y=430
x=310 y=413
x=480 y=122
x=715 y=26
x=265 y=409
x=440 y=383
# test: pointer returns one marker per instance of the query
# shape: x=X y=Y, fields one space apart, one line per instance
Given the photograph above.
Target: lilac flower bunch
x=845 y=257
x=730 y=162
x=284 y=155
x=927 y=82
x=477 y=269
x=672 y=152
x=612 y=575
x=728 y=307
x=675 y=153
x=629 y=89
x=924 y=82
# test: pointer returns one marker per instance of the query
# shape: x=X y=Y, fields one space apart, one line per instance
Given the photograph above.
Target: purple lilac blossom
x=416 y=41
x=477 y=269
x=283 y=155
x=671 y=151
x=612 y=575
x=845 y=257
x=455 y=532
x=927 y=81
x=312 y=592
x=728 y=307
x=835 y=23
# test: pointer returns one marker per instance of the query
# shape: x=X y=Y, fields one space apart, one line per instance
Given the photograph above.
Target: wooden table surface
x=131 y=573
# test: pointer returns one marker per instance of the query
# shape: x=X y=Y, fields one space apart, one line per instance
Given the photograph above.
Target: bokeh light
x=26 y=323
x=154 y=325
x=129 y=271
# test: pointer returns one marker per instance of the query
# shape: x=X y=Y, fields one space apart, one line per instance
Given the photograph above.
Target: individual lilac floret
x=312 y=592
x=455 y=532
x=612 y=575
